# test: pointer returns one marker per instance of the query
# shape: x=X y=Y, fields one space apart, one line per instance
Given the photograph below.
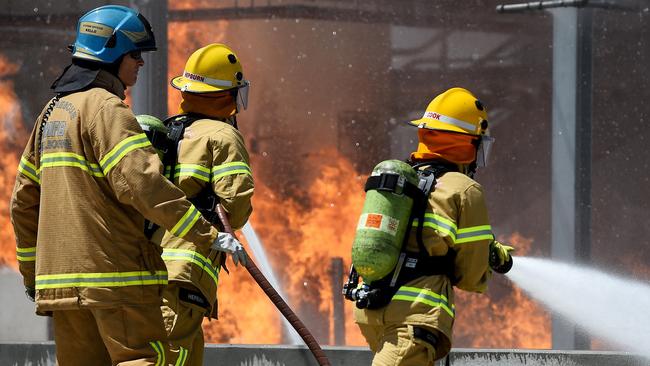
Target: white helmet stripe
x=206 y=80
x=450 y=120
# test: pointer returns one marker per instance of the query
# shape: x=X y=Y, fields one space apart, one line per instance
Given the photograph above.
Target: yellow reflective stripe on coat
x=160 y=351
x=439 y=223
x=69 y=159
x=182 y=357
x=192 y=170
x=120 y=150
x=28 y=169
x=186 y=222
x=112 y=279
x=458 y=236
x=194 y=257
x=237 y=167
x=422 y=295
x=26 y=254
x=474 y=233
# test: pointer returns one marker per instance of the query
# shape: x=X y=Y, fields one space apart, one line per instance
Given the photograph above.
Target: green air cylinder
x=151 y=125
x=383 y=224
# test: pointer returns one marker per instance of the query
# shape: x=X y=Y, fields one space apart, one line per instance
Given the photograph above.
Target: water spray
x=277 y=300
x=608 y=306
x=265 y=266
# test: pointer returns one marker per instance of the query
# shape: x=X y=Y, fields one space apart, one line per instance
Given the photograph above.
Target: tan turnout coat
x=456 y=219
x=78 y=207
x=212 y=156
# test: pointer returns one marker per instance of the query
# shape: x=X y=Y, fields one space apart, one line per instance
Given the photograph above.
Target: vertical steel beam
x=571 y=151
x=338 y=310
x=149 y=95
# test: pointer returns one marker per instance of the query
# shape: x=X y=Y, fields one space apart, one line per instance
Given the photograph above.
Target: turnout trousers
x=129 y=335
x=396 y=345
x=182 y=321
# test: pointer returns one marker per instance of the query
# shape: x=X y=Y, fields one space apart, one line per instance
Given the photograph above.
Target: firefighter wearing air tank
x=211 y=166
x=424 y=230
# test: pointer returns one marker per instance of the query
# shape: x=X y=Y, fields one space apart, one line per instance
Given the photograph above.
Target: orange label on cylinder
x=374 y=221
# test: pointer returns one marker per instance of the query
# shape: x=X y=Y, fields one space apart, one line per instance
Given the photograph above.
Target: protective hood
x=453 y=147
x=218 y=105
x=75 y=77
x=80 y=75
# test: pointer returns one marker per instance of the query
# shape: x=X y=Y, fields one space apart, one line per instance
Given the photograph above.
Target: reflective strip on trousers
x=111 y=279
x=232 y=168
x=26 y=254
x=194 y=257
x=424 y=296
x=182 y=357
x=160 y=351
x=28 y=169
x=186 y=222
x=120 y=150
x=69 y=159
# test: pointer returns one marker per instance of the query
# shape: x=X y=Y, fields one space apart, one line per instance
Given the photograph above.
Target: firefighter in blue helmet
x=86 y=181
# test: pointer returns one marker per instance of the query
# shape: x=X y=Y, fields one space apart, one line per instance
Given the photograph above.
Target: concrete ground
x=42 y=354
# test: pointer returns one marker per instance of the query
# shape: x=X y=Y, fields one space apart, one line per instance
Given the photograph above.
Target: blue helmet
x=108 y=32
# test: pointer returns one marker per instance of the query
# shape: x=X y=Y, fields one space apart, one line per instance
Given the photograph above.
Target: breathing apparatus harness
x=410 y=265
x=206 y=201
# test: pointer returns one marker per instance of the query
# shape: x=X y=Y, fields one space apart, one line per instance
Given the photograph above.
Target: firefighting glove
x=31 y=293
x=500 y=258
x=229 y=244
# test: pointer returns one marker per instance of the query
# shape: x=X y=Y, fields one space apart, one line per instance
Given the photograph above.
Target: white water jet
x=265 y=266
x=608 y=306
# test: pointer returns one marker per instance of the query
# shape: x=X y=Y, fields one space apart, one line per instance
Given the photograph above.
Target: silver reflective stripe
x=120 y=150
x=425 y=296
x=450 y=120
x=193 y=257
x=111 y=279
x=236 y=167
x=28 y=169
x=71 y=160
x=186 y=222
x=26 y=254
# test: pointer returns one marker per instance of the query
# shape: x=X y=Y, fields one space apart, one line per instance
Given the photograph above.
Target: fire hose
x=277 y=300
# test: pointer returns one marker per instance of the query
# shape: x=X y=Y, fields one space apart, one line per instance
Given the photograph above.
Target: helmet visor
x=483 y=151
x=242 y=95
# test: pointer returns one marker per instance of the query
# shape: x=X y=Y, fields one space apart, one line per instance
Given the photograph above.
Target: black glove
x=31 y=293
x=500 y=258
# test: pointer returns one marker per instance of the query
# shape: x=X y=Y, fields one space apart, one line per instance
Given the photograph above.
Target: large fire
x=12 y=140
x=301 y=234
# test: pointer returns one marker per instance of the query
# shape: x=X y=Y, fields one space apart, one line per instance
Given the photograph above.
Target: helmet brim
x=432 y=124
x=184 y=84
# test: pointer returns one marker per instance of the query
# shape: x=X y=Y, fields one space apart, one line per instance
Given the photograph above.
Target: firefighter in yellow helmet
x=87 y=179
x=455 y=245
x=211 y=166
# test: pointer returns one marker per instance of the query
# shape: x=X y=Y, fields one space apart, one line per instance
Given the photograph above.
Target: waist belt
x=410 y=266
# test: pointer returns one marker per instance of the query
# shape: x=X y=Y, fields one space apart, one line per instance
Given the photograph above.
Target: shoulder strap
x=434 y=169
x=426 y=185
x=177 y=125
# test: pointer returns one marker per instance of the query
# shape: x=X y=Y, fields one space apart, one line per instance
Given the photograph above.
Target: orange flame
x=299 y=239
x=504 y=317
x=12 y=139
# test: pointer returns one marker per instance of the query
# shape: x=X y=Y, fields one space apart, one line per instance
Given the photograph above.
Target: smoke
x=607 y=306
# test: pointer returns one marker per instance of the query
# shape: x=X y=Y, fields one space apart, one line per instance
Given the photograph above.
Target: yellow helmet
x=214 y=68
x=456 y=110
